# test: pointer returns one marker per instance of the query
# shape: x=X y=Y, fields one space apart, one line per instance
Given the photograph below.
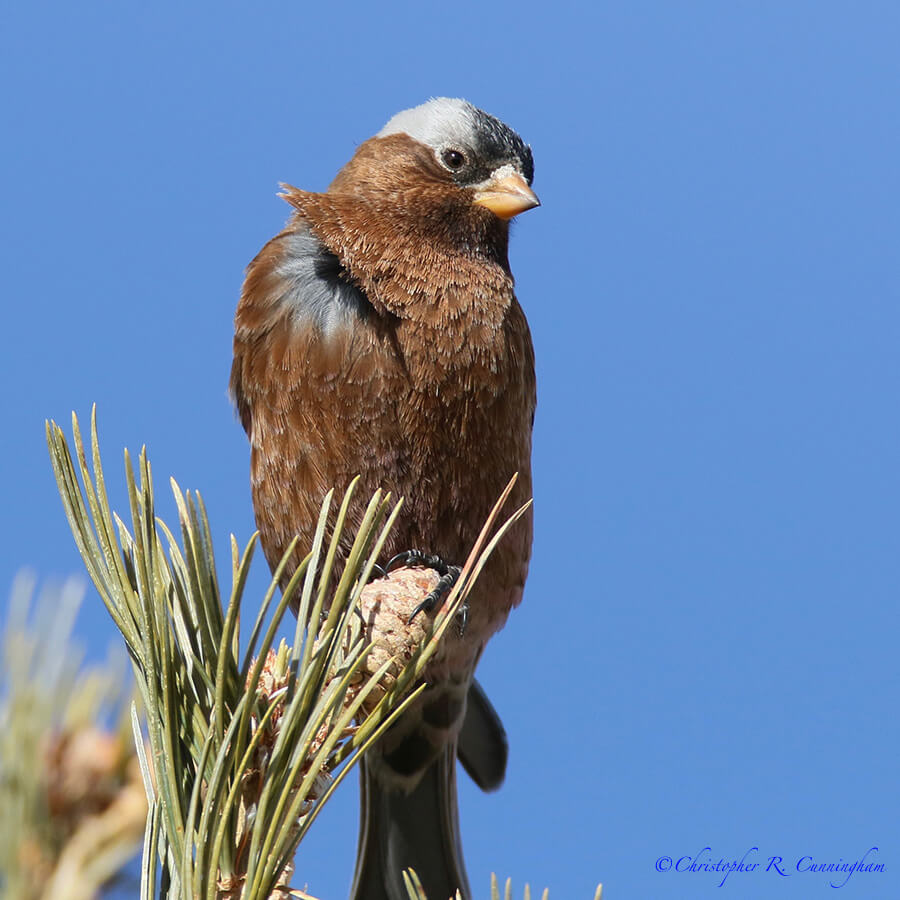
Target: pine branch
x=244 y=749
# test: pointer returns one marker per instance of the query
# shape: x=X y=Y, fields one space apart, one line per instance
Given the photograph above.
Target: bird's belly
x=445 y=438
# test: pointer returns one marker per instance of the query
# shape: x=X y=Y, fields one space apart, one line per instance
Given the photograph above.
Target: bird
x=378 y=335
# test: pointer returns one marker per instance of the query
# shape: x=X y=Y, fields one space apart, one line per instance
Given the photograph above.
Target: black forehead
x=495 y=142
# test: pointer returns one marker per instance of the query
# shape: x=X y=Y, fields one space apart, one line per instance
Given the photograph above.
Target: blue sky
x=706 y=655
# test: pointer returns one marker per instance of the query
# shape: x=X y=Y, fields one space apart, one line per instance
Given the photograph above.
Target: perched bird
x=379 y=335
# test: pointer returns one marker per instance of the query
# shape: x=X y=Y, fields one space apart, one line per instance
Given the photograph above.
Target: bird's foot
x=449 y=575
x=441 y=589
x=417 y=558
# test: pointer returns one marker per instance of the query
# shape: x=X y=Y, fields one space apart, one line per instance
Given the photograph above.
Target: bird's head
x=444 y=157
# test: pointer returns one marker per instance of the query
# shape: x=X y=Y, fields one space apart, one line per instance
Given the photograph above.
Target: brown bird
x=379 y=335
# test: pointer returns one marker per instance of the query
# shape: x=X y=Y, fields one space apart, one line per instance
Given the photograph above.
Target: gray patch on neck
x=316 y=285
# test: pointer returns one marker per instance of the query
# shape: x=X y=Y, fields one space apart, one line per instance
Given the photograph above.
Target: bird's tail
x=416 y=829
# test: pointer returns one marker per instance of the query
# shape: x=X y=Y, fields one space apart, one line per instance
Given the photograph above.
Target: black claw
x=463 y=617
x=443 y=587
x=417 y=558
x=377 y=572
x=449 y=576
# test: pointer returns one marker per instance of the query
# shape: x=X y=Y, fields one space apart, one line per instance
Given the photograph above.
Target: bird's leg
x=443 y=587
x=448 y=577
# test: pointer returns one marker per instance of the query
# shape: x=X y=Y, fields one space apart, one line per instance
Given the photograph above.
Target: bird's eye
x=453 y=159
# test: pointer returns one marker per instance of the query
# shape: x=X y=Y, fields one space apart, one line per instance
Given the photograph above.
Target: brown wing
x=313 y=378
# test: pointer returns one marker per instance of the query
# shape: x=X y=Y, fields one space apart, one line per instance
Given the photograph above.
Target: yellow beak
x=507 y=196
